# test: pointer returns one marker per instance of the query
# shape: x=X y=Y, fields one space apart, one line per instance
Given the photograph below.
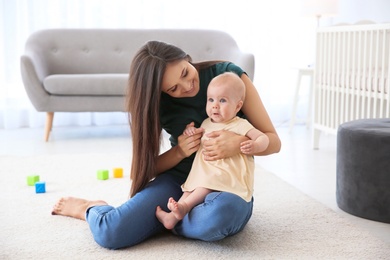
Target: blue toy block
x=32 y=179
x=102 y=174
x=40 y=187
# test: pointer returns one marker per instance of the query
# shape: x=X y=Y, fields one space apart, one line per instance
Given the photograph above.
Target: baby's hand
x=248 y=147
x=190 y=129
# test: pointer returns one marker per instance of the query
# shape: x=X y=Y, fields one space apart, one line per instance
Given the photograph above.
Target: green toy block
x=40 y=187
x=32 y=179
x=102 y=174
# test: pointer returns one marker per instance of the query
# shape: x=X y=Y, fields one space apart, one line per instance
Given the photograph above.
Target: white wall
x=352 y=11
x=275 y=31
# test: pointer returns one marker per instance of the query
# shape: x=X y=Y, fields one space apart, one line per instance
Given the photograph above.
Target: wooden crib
x=351 y=76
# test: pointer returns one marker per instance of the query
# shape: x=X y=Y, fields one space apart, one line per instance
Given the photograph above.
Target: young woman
x=167 y=91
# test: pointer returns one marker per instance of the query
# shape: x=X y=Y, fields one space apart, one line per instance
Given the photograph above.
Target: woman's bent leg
x=135 y=220
x=222 y=214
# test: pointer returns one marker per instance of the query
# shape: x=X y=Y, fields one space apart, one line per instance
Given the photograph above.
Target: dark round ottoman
x=363 y=168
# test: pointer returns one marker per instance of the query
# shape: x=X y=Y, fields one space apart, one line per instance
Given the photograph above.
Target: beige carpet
x=286 y=224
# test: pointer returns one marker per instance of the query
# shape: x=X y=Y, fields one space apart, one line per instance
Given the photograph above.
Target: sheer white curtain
x=272 y=30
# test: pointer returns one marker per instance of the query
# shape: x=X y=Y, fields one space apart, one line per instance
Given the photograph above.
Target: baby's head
x=225 y=97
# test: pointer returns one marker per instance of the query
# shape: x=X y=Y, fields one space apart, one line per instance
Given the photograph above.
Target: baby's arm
x=258 y=142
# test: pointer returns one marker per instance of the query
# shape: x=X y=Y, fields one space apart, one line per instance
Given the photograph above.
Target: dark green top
x=176 y=113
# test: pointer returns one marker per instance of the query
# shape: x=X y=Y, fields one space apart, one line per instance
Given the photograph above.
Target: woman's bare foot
x=74 y=207
x=167 y=219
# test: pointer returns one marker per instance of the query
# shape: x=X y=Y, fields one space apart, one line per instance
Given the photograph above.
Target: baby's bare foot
x=171 y=204
x=167 y=219
x=74 y=207
x=179 y=209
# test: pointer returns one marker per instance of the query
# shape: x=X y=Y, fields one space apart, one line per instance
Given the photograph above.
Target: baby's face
x=222 y=103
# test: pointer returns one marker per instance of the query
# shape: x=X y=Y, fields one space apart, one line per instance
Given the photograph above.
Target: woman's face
x=180 y=79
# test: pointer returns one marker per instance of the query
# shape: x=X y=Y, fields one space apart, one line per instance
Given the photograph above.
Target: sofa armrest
x=34 y=87
x=247 y=62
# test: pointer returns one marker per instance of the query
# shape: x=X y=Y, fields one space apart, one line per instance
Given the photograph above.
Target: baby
x=225 y=97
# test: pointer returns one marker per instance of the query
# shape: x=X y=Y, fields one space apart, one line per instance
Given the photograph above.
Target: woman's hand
x=221 y=144
x=188 y=144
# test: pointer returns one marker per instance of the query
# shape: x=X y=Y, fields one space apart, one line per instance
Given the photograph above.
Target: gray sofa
x=86 y=70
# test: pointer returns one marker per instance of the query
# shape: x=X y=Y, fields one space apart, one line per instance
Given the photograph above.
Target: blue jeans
x=135 y=220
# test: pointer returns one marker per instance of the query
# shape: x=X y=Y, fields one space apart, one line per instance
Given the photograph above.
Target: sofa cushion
x=86 y=84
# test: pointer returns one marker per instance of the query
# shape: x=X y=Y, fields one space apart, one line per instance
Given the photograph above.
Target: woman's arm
x=223 y=144
x=257 y=115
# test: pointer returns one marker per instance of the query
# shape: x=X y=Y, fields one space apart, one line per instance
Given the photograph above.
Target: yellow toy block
x=118 y=172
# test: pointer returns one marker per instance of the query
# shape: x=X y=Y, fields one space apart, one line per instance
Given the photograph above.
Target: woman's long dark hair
x=143 y=104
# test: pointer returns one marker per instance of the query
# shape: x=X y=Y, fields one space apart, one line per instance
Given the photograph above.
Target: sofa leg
x=49 y=124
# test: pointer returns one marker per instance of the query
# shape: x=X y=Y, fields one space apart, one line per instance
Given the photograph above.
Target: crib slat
x=375 y=75
x=357 y=87
x=369 y=77
x=382 y=75
x=363 y=86
x=387 y=85
x=343 y=73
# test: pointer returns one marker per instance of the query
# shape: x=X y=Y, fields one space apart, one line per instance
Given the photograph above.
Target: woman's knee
x=104 y=233
x=223 y=202
x=231 y=212
x=222 y=214
x=106 y=238
x=133 y=221
x=114 y=235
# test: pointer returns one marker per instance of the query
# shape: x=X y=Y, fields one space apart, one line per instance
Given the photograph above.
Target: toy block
x=32 y=179
x=40 y=187
x=118 y=172
x=102 y=174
